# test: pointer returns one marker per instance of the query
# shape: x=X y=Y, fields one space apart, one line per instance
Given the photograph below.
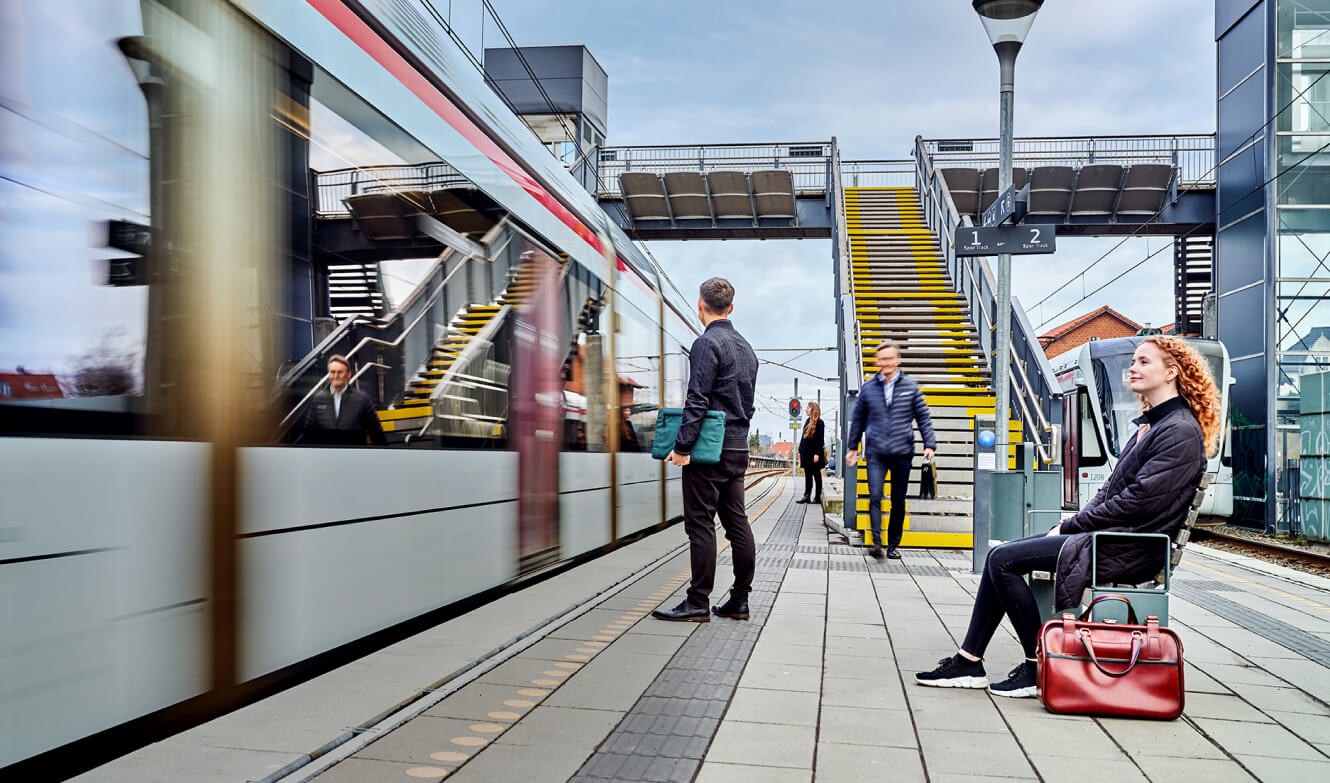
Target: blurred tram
x=181 y=546
x=1098 y=408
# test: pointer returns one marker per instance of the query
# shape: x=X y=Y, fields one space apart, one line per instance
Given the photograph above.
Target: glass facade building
x=1272 y=260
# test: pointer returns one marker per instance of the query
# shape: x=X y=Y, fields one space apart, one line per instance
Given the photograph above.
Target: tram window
x=637 y=361
x=1118 y=404
x=1091 y=446
x=584 y=309
x=76 y=155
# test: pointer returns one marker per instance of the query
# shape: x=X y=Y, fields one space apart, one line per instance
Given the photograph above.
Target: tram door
x=1071 y=440
x=537 y=408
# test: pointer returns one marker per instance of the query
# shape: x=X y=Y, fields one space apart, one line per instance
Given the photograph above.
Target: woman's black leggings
x=1002 y=589
x=812 y=474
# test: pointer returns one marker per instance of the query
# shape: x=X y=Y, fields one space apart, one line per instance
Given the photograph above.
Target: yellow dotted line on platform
x=1264 y=588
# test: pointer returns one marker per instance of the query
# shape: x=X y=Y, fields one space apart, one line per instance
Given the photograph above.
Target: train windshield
x=1119 y=405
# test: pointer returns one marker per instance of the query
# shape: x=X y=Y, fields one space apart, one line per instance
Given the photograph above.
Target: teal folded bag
x=706 y=451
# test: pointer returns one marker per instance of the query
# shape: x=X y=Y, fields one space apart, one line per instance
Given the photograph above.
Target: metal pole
x=1006 y=52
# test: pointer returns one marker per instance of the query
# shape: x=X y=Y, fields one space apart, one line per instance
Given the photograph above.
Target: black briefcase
x=928 y=480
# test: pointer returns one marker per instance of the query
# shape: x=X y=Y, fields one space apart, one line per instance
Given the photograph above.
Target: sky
x=875 y=75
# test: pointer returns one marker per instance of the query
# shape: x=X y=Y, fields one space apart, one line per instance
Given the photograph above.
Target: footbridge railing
x=1035 y=392
x=1192 y=154
x=808 y=162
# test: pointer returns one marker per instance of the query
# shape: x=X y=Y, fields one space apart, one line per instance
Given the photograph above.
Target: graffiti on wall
x=1314 y=447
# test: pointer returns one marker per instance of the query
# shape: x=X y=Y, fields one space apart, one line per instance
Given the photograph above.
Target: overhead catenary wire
x=1188 y=189
x=1191 y=231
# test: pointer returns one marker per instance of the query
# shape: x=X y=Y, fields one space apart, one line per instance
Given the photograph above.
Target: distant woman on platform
x=812 y=454
x=1150 y=491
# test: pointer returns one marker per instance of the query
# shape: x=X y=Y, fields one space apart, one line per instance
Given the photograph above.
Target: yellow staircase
x=415 y=409
x=902 y=291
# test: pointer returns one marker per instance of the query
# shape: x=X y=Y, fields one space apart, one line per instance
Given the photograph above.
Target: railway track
x=754 y=476
x=1283 y=554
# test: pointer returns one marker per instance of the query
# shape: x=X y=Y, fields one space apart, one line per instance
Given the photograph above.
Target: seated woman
x=1149 y=492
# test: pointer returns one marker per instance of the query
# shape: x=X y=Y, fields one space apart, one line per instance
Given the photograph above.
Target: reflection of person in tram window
x=341 y=416
x=628 y=436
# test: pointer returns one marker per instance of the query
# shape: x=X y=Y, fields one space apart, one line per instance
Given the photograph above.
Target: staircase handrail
x=975 y=282
x=290 y=376
x=482 y=337
x=426 y=285
x=846 y=280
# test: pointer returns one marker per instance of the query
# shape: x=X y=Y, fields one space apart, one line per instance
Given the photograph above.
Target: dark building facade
x=1272 y=280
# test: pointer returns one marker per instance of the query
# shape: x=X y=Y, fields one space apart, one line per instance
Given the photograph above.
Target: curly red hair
x=1196 y=385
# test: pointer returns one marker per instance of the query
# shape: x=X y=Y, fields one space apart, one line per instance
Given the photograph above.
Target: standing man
x=722 y=376
x=882 y=414
x=342 y=416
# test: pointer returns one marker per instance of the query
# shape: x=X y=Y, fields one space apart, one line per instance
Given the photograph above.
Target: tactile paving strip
x=1299 y=641
x=666 y=734
x=1212 y=585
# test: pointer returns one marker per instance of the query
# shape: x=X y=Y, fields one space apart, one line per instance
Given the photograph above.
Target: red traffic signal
x=794 y=409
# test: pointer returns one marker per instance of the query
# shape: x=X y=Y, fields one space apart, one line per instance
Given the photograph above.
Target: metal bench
x=1147 y=598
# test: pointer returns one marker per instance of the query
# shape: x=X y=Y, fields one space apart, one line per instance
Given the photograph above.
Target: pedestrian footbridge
x=893 y=224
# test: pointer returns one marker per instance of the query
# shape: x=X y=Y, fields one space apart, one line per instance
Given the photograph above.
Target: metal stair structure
x=902 y=291
x=354 y=290
x=415 y=409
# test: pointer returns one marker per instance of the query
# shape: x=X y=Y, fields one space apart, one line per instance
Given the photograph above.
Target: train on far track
x=1098 y=408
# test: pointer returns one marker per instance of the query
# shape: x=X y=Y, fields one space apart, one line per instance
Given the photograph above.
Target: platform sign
x=1001 y=208
x=1016 y=240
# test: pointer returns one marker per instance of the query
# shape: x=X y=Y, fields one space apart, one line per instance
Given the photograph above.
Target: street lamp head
x=1007 y=21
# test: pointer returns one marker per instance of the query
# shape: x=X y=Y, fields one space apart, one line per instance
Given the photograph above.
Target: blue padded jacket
x=888 y=431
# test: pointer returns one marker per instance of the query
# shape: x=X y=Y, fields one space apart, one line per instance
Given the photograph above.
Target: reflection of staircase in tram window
x=415 y=409
x=353 y=289
x=902 y=291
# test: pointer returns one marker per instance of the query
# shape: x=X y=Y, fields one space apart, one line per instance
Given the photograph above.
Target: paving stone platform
x=818 y=685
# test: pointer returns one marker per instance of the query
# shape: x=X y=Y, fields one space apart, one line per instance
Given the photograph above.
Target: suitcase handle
x=1131 y=613
x=1136 y=639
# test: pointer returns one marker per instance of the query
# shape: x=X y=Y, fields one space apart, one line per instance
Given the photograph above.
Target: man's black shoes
x=876 y=552
x=892 y=554
x=735 y=609
x=803 y=499
x=684 y=613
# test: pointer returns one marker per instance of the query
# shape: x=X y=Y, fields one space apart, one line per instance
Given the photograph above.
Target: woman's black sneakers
x=1021 y=682
x=954 y=672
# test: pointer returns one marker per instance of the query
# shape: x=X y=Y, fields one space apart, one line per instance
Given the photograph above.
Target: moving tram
x=306 y=179
x=1098 y=408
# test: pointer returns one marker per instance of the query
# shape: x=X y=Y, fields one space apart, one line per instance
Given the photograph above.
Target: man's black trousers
x=879 y=466
x=708 y=491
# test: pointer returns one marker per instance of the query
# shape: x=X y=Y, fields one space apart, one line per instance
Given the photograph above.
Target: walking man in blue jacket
x=883 y=412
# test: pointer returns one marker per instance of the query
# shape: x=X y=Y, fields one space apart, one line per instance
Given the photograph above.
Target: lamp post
x=1007 y=22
